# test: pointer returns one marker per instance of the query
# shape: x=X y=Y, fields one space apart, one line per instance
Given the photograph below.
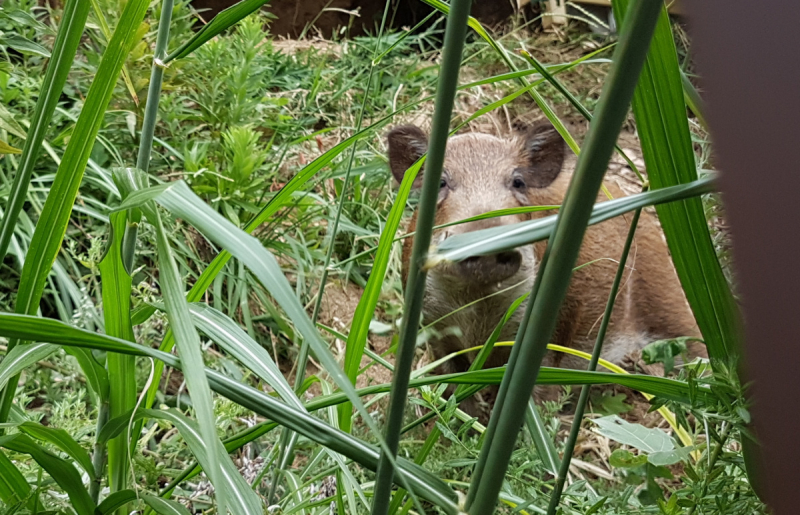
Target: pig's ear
x=407 y=143
x=543 y=151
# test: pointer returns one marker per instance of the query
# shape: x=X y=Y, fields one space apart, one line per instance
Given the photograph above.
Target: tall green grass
x=138 y=217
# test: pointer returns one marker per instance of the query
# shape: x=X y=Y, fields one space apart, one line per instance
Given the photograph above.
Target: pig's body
x=484 y=173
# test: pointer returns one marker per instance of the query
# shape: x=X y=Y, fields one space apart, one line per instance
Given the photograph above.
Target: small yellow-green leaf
x=5 y=148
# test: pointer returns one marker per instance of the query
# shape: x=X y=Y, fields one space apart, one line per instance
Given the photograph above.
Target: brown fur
x=479 y=175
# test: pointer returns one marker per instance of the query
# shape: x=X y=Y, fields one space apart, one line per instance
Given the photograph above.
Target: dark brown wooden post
x=748 y=54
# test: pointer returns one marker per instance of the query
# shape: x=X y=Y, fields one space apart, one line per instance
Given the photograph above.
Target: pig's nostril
x=508 y=258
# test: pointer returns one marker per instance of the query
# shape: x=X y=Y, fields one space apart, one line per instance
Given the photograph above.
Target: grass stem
x=580 y=408
x=455 y=34
x=563 y=248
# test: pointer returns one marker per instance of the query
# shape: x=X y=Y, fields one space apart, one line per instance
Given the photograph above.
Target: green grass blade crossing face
x=660 y=112
x=66 y=44
x=455 y=34
x=52 y=225
x=498 y=239
x=563 y=248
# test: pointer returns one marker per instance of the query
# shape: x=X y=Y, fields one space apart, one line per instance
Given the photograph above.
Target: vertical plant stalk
x=563 y=248
x=289 y=438
x=115 y=272
x=580 y=408
x=66 y=44
x=154 y=89
x=99 y=453
x=116 y=296
x=346 y=409
x=52 y=225
x=455 y=34
x=146 y=144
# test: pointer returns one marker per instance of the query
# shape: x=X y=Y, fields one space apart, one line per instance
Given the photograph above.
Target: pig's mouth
x=490 y=269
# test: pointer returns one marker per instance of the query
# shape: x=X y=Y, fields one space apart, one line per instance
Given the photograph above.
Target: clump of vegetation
x=293 y=329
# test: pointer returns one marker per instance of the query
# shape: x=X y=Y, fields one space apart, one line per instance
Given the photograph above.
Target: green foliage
x=248 y=159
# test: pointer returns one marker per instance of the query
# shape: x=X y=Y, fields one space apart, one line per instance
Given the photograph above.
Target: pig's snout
x=490 y=269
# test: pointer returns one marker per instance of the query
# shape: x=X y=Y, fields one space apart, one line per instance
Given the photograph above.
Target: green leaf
x=636 y=435
x=24 y=45
x=655 y=443
x=13 y=486
x=190 y=351
x=359 y=327
x=660 y=111
x=623 y=458
x=219 y=23
x=425 y=484
x=5 y=148
x=60 y=470
x=8 y=123
x=497 y=239
x=165 y=506
x=52 y=225
x=545 y=448
x=21 y=357
x=70 y=30
x=115 y=501
x=116 y=295
x=63 y=441
x=228 y=335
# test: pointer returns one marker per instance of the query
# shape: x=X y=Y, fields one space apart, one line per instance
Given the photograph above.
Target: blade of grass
x=14 y=487
x=126 y=75
x=66 y=44
x=116 y=295
x=190 y=350
x=490 y=241
x=569 y=447
x=455 y=34
x=219 y=23
x=52 y=224
x=553 y=277
x=693 y=100
x=165 y=506
x=116 y=501
x=660 y=112
x=62 y=471
x=38 y=329
x=183 y=203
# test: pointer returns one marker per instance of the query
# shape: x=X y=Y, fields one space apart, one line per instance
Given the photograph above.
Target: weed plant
x=254 y=135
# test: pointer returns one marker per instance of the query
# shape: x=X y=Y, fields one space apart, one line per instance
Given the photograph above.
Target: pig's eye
x=518 y=183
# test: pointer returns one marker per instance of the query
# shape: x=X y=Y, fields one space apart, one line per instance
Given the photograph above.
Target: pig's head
x=484 y=173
